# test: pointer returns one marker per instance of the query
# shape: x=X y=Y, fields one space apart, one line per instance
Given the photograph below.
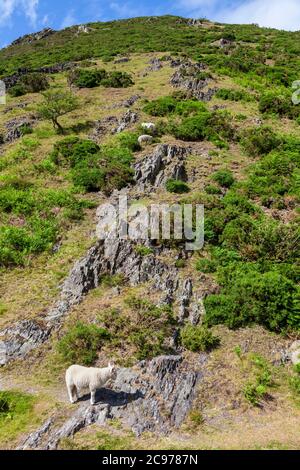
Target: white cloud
x=9 y=7
x=69 y=20
x=45 y=20
x=271 y=13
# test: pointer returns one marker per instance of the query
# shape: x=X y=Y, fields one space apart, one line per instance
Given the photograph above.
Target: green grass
x=16 y=413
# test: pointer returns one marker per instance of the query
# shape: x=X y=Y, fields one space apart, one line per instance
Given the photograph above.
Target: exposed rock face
x=8 y=109
x=194 y=22
x=155 y=64
x=114 y=256
x=103 y=127
x=12 y=80
x=130 y=101
x=15 y=127
x=30 y=38
x=156 y=396
x=187 y=77
x=167 y=161
x=83 y=28
x=294 y=352
x=121 y=60
x=20 y=339
x=127 y=120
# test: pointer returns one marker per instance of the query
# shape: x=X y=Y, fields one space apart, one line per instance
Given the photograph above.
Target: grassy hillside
x=244 y=168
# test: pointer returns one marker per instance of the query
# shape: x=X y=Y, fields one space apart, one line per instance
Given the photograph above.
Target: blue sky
x=18 y=17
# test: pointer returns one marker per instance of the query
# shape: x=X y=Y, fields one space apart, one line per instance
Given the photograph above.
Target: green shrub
x=129 y=140
x=95 y=169
x=35 y=82
x=84 y=78
x=205 y=265
x=30 y=83
x=177 y=186
x=249 y=296
x=17 y=90
x=117 y=80
x=72 y=151
x=191 y=128
x=161 y=106
x=233 y=95
x=224 y=178
x=198 y=338
x=212 y=189
x=257 y=390
x=213 y=126
x=180 y=263
x=259 y=141
x=81 y=343
x=146 y=328
x=143 y=250
x=280 y=104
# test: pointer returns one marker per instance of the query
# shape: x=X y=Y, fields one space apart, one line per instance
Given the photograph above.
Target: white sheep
x=93 y=378
x=145 y=139
x=149 y=126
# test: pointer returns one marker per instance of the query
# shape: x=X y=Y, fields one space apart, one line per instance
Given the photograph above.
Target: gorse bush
x=173 y=105
x=31 y=83
x=177 y=186
x=224 y=178
x=259 y=140
x=250 y=296
x=280 y=104
x=213 y=126
x=81 y=343
x=84 y=78
x=92 y=168
x=161 y=106
x=198 y=338
x=146 y=328
x=233 y=95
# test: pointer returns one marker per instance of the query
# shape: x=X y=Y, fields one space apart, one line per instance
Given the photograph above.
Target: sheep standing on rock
x=93 y=378
x=149 y=126
x=145 y=139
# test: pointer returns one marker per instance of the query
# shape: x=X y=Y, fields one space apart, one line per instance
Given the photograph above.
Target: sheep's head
x=113 y=370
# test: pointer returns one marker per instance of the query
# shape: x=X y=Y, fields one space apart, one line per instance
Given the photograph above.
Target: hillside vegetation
x=67 y=143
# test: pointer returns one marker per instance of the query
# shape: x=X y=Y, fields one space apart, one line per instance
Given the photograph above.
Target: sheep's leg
x=72 y=392
x=75 y=393
x=93 y=393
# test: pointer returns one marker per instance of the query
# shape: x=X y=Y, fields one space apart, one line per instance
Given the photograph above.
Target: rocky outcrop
x=167 y=161
x=114 y=255
x=294 y=353
x=15 y=127
x=194 y=22
x=130 y=101
x=156 y=396
x=155 y=64
x=12 y=80
x=21 y=338
x=30 y=38
x=129 y=118
x=121 y=60
x=188 y=76
x=103 y=126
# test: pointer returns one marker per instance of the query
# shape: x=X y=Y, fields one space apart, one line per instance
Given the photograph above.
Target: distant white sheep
x=149 y=126
x=93 y=378
x=145 y=139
